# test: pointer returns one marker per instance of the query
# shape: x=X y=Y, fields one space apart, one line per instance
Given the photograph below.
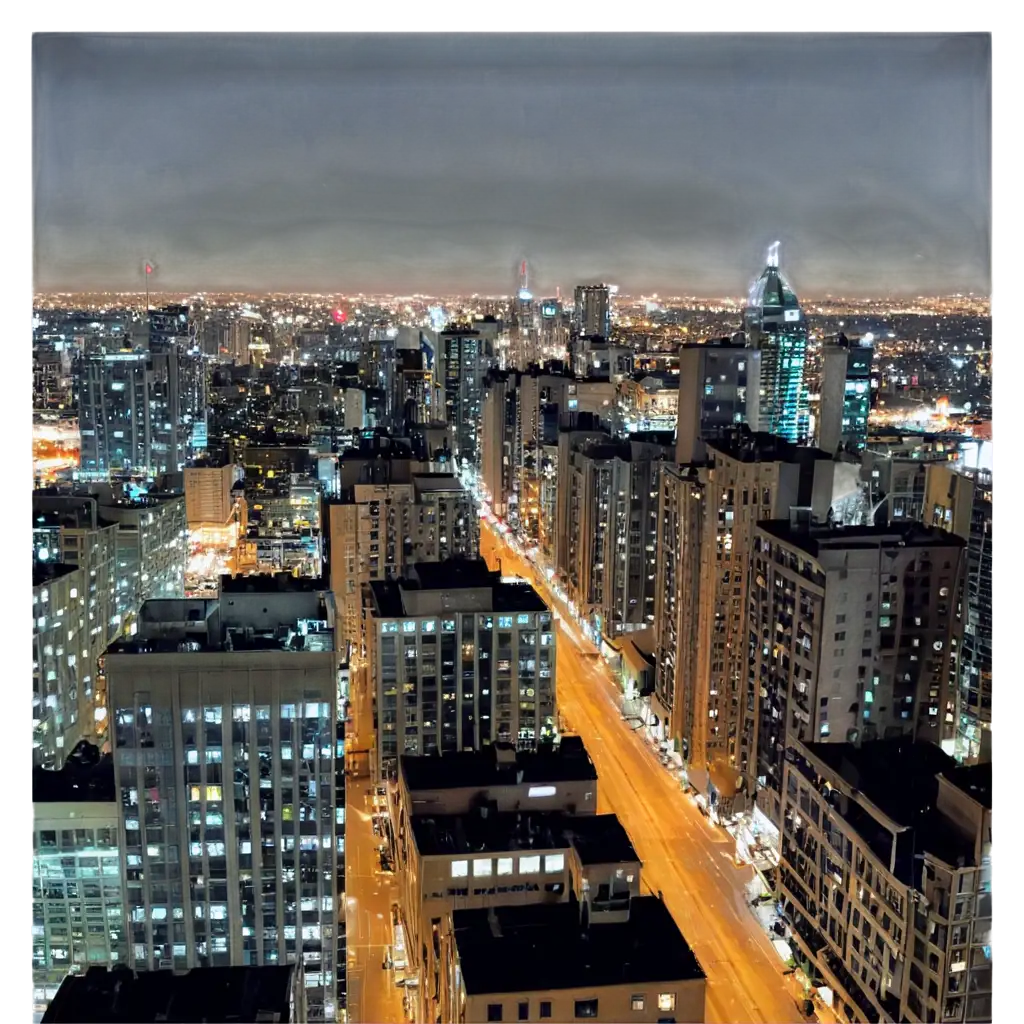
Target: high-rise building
x=77 y=889
x=377 y=530
x=224 y=749
x=886 y=879
x=777 y=329
x=712 y=394
x=707 y=543
x=680 y=589
x=611 y=506
x=961 y=502
x=854 y=635
x=593 y=311
x=845 y=394
x=460 y=658
x=465 y=357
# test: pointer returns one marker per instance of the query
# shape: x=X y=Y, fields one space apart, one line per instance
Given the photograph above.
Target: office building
x=889 y=887
x=611 y=507
x=209 y=501
x=224 y=747
x=495 y=859
x=712 y=394
x=562 y=962
x=211 y=995
x=460 y=658
x=854 y=635
x=114 y=417
x=777 y=329
x=77 y=891
x=465 y=356
x=593 y=311
x=845 y=394
x=497 y=434
x=961 y=502
x=750 y=477
x=376 y=531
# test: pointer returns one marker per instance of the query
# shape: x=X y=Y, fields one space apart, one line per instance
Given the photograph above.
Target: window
x=524 y=1011
x=460 y=869
x=554 y=863
x=545 y=1009
x=540 y=791
x=494 y=1011
x=585 y=1008
x=482 y=868
x=505 y=865
x=636 y=1003
x=667 y=1001
x=528 y=865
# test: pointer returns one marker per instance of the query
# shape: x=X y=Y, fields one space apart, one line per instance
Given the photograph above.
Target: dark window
x=524 y=1011
x=545 y=1009
x=585 y=1008
x=494 y=1011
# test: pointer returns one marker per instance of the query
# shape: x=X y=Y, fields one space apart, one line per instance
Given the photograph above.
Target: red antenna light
x=149 y=268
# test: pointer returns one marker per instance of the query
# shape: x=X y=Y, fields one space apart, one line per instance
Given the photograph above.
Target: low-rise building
x=557 y=962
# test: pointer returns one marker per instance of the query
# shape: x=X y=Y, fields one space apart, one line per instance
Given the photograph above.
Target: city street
x=373 y=996
x=683 y=855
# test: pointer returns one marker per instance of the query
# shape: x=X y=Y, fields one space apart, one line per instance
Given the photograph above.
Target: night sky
x=434 y=163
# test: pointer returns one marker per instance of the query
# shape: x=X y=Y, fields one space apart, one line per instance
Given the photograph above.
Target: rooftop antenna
x=773 y=254
x=149 y=272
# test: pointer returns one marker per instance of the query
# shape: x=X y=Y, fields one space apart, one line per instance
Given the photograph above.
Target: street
x=373 y=996
x=683 y=855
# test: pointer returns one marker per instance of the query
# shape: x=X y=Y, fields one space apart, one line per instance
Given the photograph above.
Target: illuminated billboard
x=549 y=310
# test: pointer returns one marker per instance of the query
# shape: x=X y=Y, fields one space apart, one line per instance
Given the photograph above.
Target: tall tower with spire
x=777 y=328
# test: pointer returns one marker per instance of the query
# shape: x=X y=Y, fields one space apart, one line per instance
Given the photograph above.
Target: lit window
x=213 y=793
x=637 y=1003
x=529 y=865
x=482 y=868
x=460 y=868
x=541 y=791
x=554 y=863
x=505 y=865
x=667 y=1001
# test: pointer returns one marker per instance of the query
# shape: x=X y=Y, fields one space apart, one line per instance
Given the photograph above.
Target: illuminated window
x=636 y=1002
x=554 y=863
x=460 y=868
x=541 y=791
x=213 y=793
x=482 y=868
x=667 y=1001
x=505 y=865
x=529 y=865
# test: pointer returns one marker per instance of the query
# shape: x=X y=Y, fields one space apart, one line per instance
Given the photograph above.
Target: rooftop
x=87 y=776
x=437 y=482
x=271 y=583
x=209 y=994
x=544 y=947
x=746 y=445
x=499 y=764
x=813 y=539
x=598 y=838
x=47 y=572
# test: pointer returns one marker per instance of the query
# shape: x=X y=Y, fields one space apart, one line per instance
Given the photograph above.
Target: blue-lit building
x=845 y=394
x=775 y=326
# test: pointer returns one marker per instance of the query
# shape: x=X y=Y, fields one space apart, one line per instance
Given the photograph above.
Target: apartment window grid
x=234 y=863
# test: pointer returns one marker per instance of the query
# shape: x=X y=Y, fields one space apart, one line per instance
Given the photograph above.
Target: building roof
x=746 y=445
x=597 y=838
x=812 y=539
x=499 y=764
x=544 y=947
x=772 y=291
x=437 y=482
x=272 y=583
x=208 y=994
x=87 y=776
x=47 y=572
x=974 y=780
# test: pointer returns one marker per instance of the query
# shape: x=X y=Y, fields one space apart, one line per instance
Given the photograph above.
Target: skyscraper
x=593 y=311
x=776 y=327
x=845 y=394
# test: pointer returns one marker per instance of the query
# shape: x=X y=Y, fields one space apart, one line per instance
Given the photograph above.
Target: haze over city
x=435 y=163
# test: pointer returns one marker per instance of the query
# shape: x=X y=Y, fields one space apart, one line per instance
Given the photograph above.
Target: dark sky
x=434 y=163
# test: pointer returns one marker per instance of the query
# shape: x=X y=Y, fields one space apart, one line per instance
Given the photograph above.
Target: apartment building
x=208 y=495
x=377 y=530
x=561 y=962
x=750 y=476
x=888 y=888
x=77 y=894
x=712 y=394
x=854 y=635
x=678 y=704
x=224 y=747
x=961 y=502
x=611 y=513
x=460 y=658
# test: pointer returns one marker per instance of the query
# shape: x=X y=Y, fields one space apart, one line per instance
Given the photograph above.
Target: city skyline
x=471 y=177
